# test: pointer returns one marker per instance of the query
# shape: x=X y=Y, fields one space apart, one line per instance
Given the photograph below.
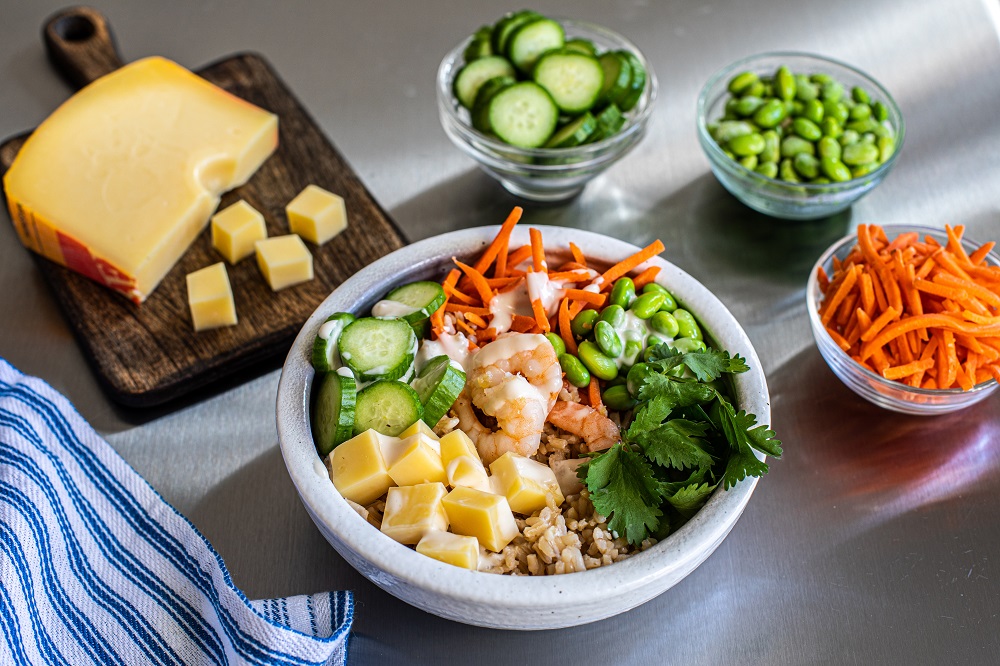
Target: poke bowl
x=590 y=584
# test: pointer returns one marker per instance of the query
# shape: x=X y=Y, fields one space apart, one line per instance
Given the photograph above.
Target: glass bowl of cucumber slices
x=544 y=104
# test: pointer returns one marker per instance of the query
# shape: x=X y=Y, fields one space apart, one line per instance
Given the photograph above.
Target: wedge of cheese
x=122 y=177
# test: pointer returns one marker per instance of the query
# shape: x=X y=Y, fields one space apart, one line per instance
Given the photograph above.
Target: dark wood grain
x=149 y=354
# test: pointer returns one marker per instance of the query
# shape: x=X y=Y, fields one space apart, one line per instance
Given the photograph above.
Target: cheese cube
x=415 y=460
x=456 y=443
x=469 y=472
x=417 y=428
x=284 y=261
x=120 y=179
x=236 y=229
x=525 y=482
x=480 y=514
x=413 y=511
x=462 y=551
x=358 y=470
x=316 y=215
x=210 y=298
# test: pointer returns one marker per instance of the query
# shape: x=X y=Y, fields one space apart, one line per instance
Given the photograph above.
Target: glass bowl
x=886 y=393
x=777 y=198
x=544 y=174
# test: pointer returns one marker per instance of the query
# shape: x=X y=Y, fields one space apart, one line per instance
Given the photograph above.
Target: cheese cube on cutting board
x=358 y=470
x=415 y=460
x=284 y=261
x=120 y=179
x=526 y=483
x=235 y=230
x=413 y=511
x=461 y=551
x=456 y=443
x=210 y=298
x=316 y=215
x=483 y=515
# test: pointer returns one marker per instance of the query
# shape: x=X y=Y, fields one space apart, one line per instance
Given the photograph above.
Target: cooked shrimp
x=516 y=380
x=597 y=430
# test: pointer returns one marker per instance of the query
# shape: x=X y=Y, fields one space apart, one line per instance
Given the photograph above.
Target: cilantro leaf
x=706 y=365
x=649 y=416
x=675 y=443
x=675 y=392
x=623 y=487
x=689 y=499
x=736 y=426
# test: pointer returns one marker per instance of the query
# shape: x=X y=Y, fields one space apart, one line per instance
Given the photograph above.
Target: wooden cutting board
x=149 y=354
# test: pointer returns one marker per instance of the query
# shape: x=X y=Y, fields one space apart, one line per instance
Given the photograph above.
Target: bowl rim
x=812 y=289
x=448 y=105
x=714 y=151
x=680 y=552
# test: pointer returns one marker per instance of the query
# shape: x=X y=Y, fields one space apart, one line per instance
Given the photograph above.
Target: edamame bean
x=746 y=105
x=829 y=147
x=596 y=362
x=644 y=306
x=881 y=112
x=665 y=323
x=607 y=339
x=864 y=169
x=632 y=350
x=813 y=110
x=805 y=90
x=767 y=169
x=614 y=315
x=749 y=162
x=831 y=128
x=806 y=165
x=862 y=126
x=848 y=137
x=835 y=170
x=687 y=345
x=886 y=147
x=669 y=304
x=576 y=373
x=747 y=144
x=556 y=342
x=787 y=172
x=822 y=180
x=806 y=129
x=756 y=89
x=861 y=112
x=868 y=137
x=742 y=81
x=730 y=129
x=583 y=324
x=820 y=78
x=859 y=95
x=623 y=292
x=859 y=153
x=793 y=108
x=833 y=91
x=772 y=147
x=618 y=399
x=784 y=83
x=768 y=115
x=793 y=145
x=637 y=377
x=687 y=326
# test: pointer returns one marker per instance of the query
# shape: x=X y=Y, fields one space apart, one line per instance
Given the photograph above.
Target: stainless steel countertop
x=875 y=540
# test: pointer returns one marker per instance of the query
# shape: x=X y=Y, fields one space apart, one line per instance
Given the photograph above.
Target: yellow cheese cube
x=469 y=472
x=284 y=261
x=358 y=470
x=235 y=230
x=415 y=460
x=210 y=298
x=316 y=215
x=525 y=482
x=462 y=551
x=120 y=179
x=480 y=514
x=413 y=511
x=456 y=443
x=418 y=428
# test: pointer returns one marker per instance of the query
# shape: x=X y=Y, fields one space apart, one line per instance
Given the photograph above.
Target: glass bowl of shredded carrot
x=909 y=316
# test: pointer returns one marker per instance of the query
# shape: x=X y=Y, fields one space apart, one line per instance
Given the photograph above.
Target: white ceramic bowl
x=490 y=600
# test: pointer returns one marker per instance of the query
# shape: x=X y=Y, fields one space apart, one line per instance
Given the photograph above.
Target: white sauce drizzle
x=387 y=308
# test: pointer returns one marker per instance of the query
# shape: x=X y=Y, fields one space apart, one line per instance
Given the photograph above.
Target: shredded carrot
x=452 y=292
x=645 y=277
x=565 y=332
x=578 y=256
x=465 y=327
x=594 y=394
x=588 y=297
x=500 y=283
x=900 y=371
x=475 y=319
x=478 y=281
x=458 y=307
x=493 y=249
x=570 y=276
x=540 y=317
x=623 y=267
x=537 y=251
x=575 y=308
x=979 y=255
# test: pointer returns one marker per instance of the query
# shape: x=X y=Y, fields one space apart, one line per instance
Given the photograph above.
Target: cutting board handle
x=80 y=45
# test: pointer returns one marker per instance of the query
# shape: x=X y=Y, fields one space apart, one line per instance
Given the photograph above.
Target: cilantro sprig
x=684 y=439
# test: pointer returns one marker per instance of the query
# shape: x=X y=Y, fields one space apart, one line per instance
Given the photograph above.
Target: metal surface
x=874 y=541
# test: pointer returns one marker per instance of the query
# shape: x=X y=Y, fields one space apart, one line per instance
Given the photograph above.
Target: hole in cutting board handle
x=74 y=28
x=80 y=45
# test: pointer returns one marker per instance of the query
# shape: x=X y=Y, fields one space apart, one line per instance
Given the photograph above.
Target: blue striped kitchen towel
x=96 y=568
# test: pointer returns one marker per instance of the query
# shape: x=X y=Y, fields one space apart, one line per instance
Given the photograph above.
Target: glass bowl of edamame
x=553 y=146
x=798 y=136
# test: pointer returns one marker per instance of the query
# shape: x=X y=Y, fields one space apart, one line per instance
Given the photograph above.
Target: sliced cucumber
x=478 y=72
x=426 y=297
x=637 y=83
x=506 y=26
x=581 y=45
x=531 y=40
x=574 y=80
x=325 y=355
x=609 y=122
x=480 y=45
x=389 y=407
x=375 y=348
x=573 y=133
x=617 y=76
x=523 y=115
x=438 y=386
x=334 y=414
x=481 y=108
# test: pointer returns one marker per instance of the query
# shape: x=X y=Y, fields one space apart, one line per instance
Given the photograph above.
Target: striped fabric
x=96 y=568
